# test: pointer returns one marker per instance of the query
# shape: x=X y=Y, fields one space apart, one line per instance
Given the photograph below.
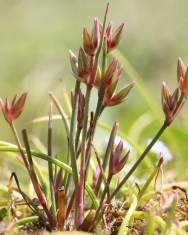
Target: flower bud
x=180 y=69
x=183 y=84
x=13 y=110
x=169 y=102
x=112 y=87
x=109 y=33
x=96 y=34
x=80 y=66
x=113 y=38
x=121 y=96
x=116 y=163
x=111 y=69
x=91 y=42
x=83 y=67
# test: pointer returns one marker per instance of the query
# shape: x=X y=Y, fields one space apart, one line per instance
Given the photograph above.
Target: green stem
x=35 y=182
x=72 y=133
x=140 y=159
x=19 y=145
x=84 y=136
x=79 y=202
x=102 y=34
x=107 y=155
x=90 y=135
x=99 y=107
x=50 y=167
x=61 y=111
x=84 y=131
x=77 y=138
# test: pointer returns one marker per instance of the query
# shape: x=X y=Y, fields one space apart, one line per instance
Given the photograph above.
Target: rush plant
x=76 y=203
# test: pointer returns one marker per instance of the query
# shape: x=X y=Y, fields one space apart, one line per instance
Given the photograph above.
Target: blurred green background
x=35 y=37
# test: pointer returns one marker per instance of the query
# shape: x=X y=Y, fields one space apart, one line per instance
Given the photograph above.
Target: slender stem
x=72 y=146
x=25 y=197
x=50 y=167
x=61 y=111
x=77 y=138
x=102 y=34
x=99 y=107
x=80 y=188
x=102 y=173
x=35 y=181
x=84 y=131
x=79 y=212
x=91 y=133
x=140 y=159
x=107 y=154
x=72 y=133
x=19 y=145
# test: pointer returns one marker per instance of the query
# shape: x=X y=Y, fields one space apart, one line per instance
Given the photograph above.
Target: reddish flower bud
x=116 y=163
x=113 y=38
x=112 y=87
x=111 y=69
x=183 y=84
x=180 y=69
x=96 y=33
x=109 y=32
x=12 y=110
x=182 y=75
x=83 y=65
x=91 y=42
x=120 y=96
x=111 y=99
x=80 y=66
x=169 y=102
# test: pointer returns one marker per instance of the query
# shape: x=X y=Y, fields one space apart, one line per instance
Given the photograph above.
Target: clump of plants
x=70 y=201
